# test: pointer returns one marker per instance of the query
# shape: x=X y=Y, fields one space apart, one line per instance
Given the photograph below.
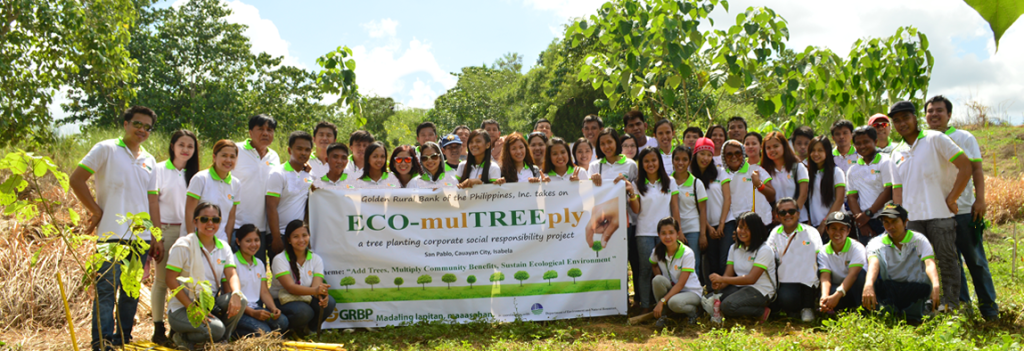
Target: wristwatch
x=869 y=213
x=841 y=290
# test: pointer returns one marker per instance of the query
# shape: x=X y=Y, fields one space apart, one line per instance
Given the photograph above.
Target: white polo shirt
x=743 y=262
x=682 y=261
x=902 y=265
x=817 y=210
x=845 y=162
x=688 y=200
x=926 y=173
x=446 y=180
x=651 y=141
x=476 y=171
x=838 y=264
x=180 y=260
x=343 y=183
x=524 y=175
x=168 y=183
x=666 y=159
x=387 y=181
x=718 y=161
x=624 y=167
x=352 y=169
x=121 y=182
x=798 y=261
x=582 y=175
x=969 y=144
x=716 y=199
x=207 y=186
x=313 y=267
x=252 y=276
x=869 y=180
x=291 y=186
x=786 y=183
x=253 y=173
x=743 y=194
x=654 y=205
x=317 y=168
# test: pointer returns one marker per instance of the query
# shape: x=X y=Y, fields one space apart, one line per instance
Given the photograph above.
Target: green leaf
x=131 y=277
x=765 y=108
x=73 y=216
x=35 y=258
x=673 y=81
x=1000 y=14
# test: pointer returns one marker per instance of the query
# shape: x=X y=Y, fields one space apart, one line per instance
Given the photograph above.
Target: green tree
x=424 y=280
x=521 y=276
x=398 y=283
x=376 y=110
x=497 y=277
x=372 y=279
x=449 y=278
x=471 y=279
x=46 y=45
x=550 y=275
x=347 y=281
x=574 y=273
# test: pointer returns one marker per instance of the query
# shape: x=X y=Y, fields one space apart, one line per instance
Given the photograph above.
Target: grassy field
x=506 y=289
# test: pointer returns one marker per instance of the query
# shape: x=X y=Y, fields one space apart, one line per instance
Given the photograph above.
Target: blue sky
x=406 y=49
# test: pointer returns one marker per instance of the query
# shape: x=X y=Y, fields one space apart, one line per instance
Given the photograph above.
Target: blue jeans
x=644 y=246
x=693 y=243
x=718 y=250
x=301 y=314
x=249 y=325
x=854 y=294
x=972 y=249
x=906 y=298
x=108 y=293
x=793 y=297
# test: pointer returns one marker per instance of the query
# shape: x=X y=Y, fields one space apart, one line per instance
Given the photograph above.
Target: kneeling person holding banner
x=298 y=286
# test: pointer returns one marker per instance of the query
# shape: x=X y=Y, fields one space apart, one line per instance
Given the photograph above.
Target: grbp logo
x=358 y=314
x=537 y=309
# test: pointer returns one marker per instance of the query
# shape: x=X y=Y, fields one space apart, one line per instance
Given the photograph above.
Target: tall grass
x=1005 y=199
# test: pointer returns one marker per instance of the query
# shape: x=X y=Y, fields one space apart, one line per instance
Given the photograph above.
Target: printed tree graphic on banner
x=497 y=277
x=424 y=280
x=372 y=279
x=550 y=275
x=398 y=283
x=449 y=278
x=471 y=279
x=574 y=273
x=348 y=281
x=521 y=276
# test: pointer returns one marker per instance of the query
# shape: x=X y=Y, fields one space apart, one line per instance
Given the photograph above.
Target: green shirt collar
x=170 y=165
x=568 y=170
x=142 y=149
x=621 y=161
x=241 y=258
x=950 y=131
x=742 y=169
x=288 y=167
x=426 y=176
x=309 y=255
x=687 y=182
x=680 y=251
x=383 y=176
x=853 y=150
x=648 y=181
x=213 y=174
x=344 y=176
x=906 y=239
x=248 y=145
x=846 y=247
x=878 y=158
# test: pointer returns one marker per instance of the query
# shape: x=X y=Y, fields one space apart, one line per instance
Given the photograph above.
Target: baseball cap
x=902 y=106
x=838 y=217
x=450 y=139
x=892 y=210
x=876 y=117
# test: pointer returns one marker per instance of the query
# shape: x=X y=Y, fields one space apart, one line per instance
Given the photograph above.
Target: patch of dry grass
x=1005 y=199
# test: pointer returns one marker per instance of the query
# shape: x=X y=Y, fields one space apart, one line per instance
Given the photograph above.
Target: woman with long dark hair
x=436 y=172
x=655 y=198
x=375 y=169
x=538 y=142
x=748 y=284
x=517 y=162
x=168 y=188
x=478 y=167
x=261 y=314
x=558 y=165
x=827 y=189
x=675 y=280
x=582 y=153
x=692 y=202
x=404 y=165
x=298 y=284
x=720 y=221
x=717 y=134
x=789 y=175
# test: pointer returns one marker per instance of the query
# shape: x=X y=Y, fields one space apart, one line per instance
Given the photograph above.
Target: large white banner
x=517 y=250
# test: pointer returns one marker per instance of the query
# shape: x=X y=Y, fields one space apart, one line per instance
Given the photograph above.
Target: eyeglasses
x=205 y=219
x=733 y=154
x=881 y=125
x=403 y=159
x=424 y=158
x=143 y=126
x=788 y=212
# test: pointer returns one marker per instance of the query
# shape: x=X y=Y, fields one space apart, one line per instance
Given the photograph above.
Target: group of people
x=723 y=209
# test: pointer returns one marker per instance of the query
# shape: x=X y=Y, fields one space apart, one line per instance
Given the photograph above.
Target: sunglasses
x=428 y=158
x=205 y=219
x=403 y=159
x=788 y=212
x=143 y=126
x=733 y=154
x=881 y=125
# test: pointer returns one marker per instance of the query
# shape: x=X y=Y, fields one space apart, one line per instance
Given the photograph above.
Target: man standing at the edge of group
x=929 y=173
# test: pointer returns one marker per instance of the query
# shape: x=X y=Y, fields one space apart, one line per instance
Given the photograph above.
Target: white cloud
x=383 y=28
x=567 y=8
x=262 y=33
x=422 y=95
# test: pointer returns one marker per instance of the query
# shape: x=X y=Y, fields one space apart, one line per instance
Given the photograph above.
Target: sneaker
x=181 y=343
x=660 y=324
x=371 y=329
x=764 y=317
x=807 y=315
x=349 y=331
x=691 y=319
x=928 y=311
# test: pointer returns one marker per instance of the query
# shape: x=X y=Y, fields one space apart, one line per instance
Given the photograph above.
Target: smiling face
x=937 y=116
x=261 y=136
x=718 y=137
x=249 y=243
x=403 y=162
x=743 y=233
x=668 y=235
x=864 y=145
x=337 y=160
x=733 y=156
x=537 y=148
x=324 y=137
x=818 y=154
x=300 y=151
x=517 y=150
x=905 y=123
x=559 y=155
x=690 y=139
x=651 y=163
x=883 y=128
x=184 y=148
x=607 y=145
x=299 y=239
x=680 y=161
x=584 y=153
x=138 y=127
x=788 y=214
x=591 y=130
x=425 y=135
x=704 y=159
x=544 y=127
x=453 y=151
x=378 y=159
x=752 y=146
x=737 y=130
x=209 y=228
x=224 y=160
x=774 y=150
x=837 y=232
x=629 y=148
x=478 y=146
x=429 y=162
x=664 y=134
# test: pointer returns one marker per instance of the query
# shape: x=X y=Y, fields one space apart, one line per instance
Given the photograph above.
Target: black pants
x=906 y=298
x=794 y=297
